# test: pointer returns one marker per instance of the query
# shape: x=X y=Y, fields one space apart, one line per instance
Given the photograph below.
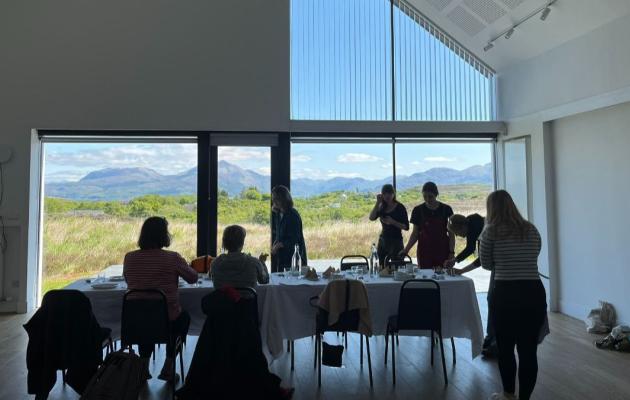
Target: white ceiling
x=474 y=22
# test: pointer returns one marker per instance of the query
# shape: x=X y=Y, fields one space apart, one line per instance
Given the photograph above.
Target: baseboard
x=574 y=310
x=8 y=306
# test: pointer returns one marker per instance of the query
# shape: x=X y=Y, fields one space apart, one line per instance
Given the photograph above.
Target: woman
x=286 y=230
x=394 y=220
x=235 y=268
x=510 y=247
x=151 y=267
x=429 y=219
x=470 y=227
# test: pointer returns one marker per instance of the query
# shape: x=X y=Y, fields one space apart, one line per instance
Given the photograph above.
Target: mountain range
x=127 y=183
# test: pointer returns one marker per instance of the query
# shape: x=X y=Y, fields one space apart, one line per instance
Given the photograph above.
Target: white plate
x=105 y=285
x=118 y=278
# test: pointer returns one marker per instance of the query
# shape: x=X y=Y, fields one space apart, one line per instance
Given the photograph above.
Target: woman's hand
x=263 y=257
x=450 y=263
x=388 y=220
x=403 y=253
x=457 y=271
x=276 y=247
x=379 y=199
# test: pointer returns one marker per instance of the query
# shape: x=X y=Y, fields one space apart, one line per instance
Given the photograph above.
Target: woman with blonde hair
x=510 y=246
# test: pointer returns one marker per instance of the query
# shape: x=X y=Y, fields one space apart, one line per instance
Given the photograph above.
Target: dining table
x=285 y=312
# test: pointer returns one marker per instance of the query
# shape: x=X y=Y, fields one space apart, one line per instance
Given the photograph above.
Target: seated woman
x=235 y=268
x=152 y=267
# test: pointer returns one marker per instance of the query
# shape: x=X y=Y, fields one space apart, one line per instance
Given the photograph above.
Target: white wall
x=592 y=176
x=570 y=78
x=143 y=64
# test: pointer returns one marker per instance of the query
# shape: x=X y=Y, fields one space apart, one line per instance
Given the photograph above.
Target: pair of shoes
x=606 y=343
x=503 y=396
x=168 y=378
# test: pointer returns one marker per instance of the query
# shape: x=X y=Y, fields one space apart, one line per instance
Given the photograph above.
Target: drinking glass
x=287 y=272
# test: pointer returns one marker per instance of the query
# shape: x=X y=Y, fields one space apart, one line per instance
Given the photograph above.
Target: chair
x=395 y=262
x=419 y=308
x=65 y=320
x=145 y=321
x=355 y=261
x=348 y=322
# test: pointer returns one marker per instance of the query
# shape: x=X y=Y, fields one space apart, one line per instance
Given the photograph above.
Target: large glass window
x=96 y=196
x=334 y=187
x=244 y=179
x=381 y=60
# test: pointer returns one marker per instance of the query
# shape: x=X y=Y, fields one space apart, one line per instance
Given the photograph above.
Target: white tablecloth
x=286 y=313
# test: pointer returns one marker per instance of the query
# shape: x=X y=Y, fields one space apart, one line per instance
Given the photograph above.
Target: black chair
x=419 y=308
x=348 y=323
x=395 y=262
x=347 y=262
x=145 y=321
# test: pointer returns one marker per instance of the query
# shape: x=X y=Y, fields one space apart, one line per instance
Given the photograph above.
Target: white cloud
x=233 y=154
x=357 y=158
x=439 y=159
x=387 y=165
x=337 y=174
x=301 y=158
x=169 y=158
x=265 y=170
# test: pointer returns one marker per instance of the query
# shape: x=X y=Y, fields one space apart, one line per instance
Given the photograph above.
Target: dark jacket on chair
x=63 y=334
x=228 y=362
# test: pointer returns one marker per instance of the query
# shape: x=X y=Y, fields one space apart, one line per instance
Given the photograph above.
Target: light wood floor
x=570 y=368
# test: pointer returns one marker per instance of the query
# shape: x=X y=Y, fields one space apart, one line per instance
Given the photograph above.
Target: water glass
x=287 y=272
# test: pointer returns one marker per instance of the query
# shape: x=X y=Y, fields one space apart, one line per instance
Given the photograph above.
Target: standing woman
x=435 y=243
x=510 y=246
x=394 y=220
x=286 y=230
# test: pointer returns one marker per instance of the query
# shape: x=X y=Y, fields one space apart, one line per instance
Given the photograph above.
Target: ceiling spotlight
x=488 y=46
x=509 y=33
x=545 y=13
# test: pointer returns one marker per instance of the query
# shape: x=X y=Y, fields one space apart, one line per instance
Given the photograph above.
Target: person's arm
x=486 y=252
x=184 y=270
x=413 y=238
x=377 y=208
x=262 y=273
x=468 y=250
x=451 y=236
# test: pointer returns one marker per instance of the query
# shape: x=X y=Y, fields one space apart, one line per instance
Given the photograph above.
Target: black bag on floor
x=119 y=378
x=332 y=355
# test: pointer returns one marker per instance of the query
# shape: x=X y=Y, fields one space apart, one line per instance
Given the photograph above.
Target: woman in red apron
x=429 y=219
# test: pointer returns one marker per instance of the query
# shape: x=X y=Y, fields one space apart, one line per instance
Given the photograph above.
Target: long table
x=287 y=315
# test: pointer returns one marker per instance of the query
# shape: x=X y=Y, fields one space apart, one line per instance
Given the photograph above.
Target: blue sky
x=70 y=162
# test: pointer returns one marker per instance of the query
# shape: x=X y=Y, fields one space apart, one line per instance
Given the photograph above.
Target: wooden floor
x=570 y=368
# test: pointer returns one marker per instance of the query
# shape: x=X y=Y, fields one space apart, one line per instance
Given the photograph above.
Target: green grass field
x=82 y=238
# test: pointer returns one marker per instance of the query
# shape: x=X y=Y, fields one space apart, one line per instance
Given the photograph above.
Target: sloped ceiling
x=474 y=22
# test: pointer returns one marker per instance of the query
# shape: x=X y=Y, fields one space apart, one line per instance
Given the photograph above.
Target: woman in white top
x=510 y=246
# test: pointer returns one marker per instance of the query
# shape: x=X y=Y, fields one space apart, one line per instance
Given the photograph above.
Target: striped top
x=158 y=269
x=511 y=257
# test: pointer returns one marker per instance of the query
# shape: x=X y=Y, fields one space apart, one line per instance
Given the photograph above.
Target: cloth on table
x=333 y=300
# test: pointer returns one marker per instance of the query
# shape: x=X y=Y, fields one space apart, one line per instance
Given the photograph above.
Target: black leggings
x=518 y=309
x=179 y=328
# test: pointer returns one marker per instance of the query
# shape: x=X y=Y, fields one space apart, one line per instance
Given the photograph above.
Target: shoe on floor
x=503 y=396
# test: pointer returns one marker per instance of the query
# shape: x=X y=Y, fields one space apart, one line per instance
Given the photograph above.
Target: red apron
x=433 y=242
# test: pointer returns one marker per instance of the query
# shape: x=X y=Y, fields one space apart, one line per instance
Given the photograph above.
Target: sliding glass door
x=243 y=196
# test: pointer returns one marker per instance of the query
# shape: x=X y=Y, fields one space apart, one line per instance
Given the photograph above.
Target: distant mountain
x=127 y=183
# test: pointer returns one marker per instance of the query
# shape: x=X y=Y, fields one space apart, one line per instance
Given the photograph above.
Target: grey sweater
x=238 y=270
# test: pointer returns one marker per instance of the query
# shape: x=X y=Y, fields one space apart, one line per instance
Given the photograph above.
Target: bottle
x=374 y=259
x=296 y=260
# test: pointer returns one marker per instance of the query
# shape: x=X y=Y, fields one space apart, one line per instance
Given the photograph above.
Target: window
x=381 y=60
x=334 y=187
x=244 y=187
x=96 y=196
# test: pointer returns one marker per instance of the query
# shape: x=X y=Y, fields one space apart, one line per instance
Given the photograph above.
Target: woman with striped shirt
x=152 y=267
x=510 y=246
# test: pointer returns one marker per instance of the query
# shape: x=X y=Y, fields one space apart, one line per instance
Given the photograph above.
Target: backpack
x=120 y=378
